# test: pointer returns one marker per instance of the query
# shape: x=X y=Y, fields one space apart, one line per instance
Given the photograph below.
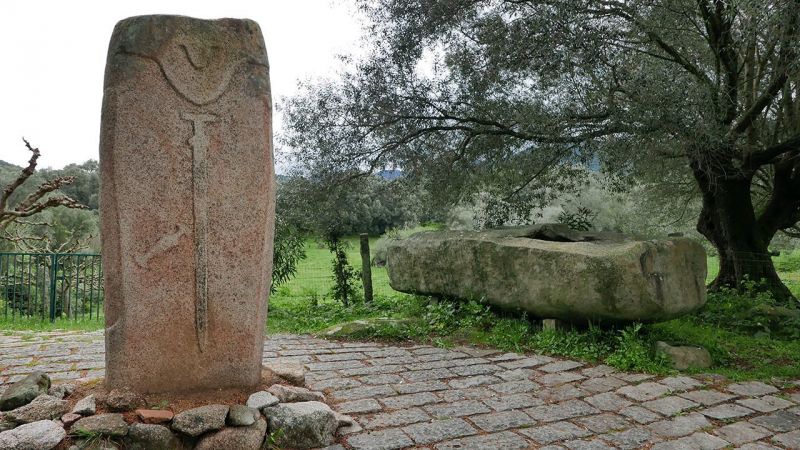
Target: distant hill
x=8 y=166
x=8 y=171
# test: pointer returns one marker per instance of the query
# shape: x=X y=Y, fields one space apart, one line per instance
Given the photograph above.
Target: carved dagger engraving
x=199 y=143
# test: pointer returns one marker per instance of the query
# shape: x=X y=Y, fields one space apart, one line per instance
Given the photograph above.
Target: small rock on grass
x=24 y=391
x=685 y=357
x=43 y=434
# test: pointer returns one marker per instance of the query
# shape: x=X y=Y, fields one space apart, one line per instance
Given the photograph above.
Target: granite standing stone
x=188 y=195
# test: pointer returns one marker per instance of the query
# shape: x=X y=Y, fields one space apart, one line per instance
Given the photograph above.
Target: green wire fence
x=51 y=285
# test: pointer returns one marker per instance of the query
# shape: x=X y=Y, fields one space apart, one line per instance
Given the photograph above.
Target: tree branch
x=22 y=177
x=757 y=159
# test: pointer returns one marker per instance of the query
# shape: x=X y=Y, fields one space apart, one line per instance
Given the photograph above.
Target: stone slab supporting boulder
x=550 y=271
x=188 y=194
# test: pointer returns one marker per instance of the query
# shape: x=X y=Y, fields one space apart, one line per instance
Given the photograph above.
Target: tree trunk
x=728 y=220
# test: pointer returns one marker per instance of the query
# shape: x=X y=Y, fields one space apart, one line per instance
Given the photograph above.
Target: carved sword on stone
x=199 y=143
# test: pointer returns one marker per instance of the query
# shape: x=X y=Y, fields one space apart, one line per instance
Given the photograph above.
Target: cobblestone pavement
x=472 y=398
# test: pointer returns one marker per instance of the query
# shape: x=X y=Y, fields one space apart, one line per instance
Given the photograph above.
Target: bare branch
x=37 y=201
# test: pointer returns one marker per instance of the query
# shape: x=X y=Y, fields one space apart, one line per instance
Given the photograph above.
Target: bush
x=345 y=277
x=580 y=219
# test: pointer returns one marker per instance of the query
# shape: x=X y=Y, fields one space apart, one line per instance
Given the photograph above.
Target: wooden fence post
x=366 y=267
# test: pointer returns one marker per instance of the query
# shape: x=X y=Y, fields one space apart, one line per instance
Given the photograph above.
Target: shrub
x=345 y=277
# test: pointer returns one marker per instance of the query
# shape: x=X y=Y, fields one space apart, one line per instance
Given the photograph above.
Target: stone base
x=236 y=421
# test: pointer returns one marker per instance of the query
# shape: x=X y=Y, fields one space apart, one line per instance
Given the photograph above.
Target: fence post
x=366 y=267
x=53 y=274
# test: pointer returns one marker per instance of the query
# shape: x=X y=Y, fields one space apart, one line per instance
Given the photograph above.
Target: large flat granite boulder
x=550 y=271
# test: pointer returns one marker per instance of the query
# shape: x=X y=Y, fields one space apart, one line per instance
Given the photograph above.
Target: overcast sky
x=54 y=52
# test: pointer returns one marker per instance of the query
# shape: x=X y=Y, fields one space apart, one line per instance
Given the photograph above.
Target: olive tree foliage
x=362 y=205
x=507 y=96
x=288 y=251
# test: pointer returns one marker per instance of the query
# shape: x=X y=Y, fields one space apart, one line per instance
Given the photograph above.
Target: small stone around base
x=685 y=357
x=553 y=324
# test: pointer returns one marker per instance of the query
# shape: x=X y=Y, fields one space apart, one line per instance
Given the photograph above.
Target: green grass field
x=314 y=273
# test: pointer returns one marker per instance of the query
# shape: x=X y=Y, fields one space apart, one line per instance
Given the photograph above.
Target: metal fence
x=51 y=285
x=70 y=285
x=314 y=280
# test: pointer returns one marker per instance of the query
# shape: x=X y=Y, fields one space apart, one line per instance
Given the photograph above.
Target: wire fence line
x=51 y=285
x=314 y=280
x=54 y=286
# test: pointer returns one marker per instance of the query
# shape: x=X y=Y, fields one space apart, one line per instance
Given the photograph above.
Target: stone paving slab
x=420 y=396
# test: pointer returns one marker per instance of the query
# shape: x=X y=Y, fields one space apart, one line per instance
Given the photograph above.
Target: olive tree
x=506 y=96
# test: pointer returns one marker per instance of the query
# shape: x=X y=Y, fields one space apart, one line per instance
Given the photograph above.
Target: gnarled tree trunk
x=729 y=221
